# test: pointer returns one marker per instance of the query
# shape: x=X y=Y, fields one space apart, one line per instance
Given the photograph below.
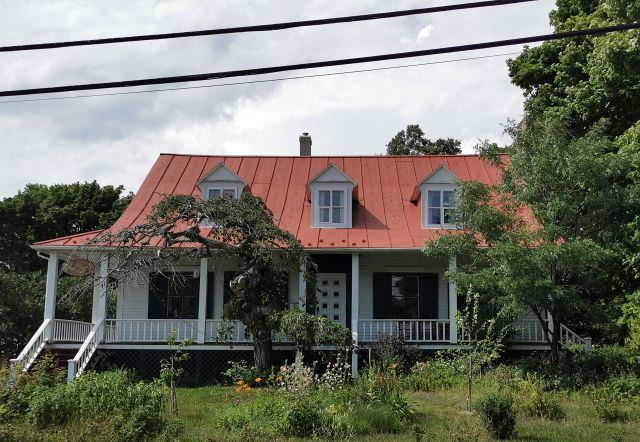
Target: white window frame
x=222 y=186
x=347 y=189
x=425 y=189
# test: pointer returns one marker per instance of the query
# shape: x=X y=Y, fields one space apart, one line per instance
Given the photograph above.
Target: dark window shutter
x=158 y=292
x=210 y=294
x=381 y=295
x=429 y=296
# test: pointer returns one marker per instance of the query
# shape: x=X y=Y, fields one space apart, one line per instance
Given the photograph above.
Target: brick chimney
x=305 y=144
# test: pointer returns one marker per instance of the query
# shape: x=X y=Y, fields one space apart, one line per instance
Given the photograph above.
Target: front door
x=332 y=296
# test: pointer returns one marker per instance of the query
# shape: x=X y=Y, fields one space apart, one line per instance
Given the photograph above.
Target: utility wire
x=266 y=80
x=318 y=64
x=262 y=28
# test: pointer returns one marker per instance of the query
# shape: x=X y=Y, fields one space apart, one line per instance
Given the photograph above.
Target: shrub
x=535 y=401
x=389 y=350
x=134 y=409
x=498 y=415
x=375 y=419
x=301 y=417
x=242 y=371
x=431 y=375
x=623 y=386
x=608 y=405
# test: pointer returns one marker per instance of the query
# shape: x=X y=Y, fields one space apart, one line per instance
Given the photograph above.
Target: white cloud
x=116 y=139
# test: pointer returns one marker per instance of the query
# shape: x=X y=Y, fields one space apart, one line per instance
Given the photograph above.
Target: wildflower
x=393 y=366
x=240 y=382
x=258 y=380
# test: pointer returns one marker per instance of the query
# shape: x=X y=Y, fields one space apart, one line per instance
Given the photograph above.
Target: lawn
x=441 y=414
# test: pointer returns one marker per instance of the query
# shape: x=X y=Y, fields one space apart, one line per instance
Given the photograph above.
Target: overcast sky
x=116 y=139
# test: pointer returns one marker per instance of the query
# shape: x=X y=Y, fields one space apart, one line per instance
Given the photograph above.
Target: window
x=216 y=192
x=405 y=297
x=441 y=207
x=182 y=299
x=331 y=207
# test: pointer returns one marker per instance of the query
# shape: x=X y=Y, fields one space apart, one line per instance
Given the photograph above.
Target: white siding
x=388 y=261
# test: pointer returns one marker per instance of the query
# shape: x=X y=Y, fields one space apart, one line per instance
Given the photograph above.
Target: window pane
x=174 y=307
x=338 y=197
x=229 y=193
x=449 y=216
x=337 y=215
x=324 y=215
x=189 y=306
x=405 y=297
x=325 y=198
x=434 y=216
x=434 y=198
x=411 y=286
x=448 y=198
x=214 y=193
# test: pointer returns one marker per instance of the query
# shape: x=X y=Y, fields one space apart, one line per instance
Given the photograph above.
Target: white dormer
x=439 y=199
x=331 y=198
x=221 y=181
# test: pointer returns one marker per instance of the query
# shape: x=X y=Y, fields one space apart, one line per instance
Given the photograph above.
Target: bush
x=535 y=401
x=242 y=371
x=431 y=375
x=375 y=420
x=389 y=350
x=498 y=415
x=624 y=386
x=134 y=408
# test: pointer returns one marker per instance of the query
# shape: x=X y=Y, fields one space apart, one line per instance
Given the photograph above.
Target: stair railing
x=569 y=338
x=33 y=348
x=77 y=365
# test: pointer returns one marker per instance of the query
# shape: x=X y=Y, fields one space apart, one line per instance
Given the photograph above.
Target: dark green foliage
x=498 y=415
x=391 y=350
x=42 y=212
x=414 y=142
x=308 y=330
x=436 y=373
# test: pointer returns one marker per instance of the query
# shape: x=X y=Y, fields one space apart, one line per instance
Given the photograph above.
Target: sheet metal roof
x=383 y=216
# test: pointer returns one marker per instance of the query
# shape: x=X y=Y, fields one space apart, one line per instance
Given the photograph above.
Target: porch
x=374 y=294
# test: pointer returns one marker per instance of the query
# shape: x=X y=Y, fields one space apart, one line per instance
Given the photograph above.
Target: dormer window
x=221 y=181
x=441 y=207
x=331 y=193
x=439 y=199
x=331 y=206
x=217 y=192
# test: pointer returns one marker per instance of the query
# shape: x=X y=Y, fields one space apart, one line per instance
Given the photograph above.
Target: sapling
x=171 y=369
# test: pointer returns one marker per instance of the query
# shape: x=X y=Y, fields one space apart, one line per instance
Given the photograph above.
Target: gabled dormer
x=439 y=191
x=331 y=193
x=221 y=181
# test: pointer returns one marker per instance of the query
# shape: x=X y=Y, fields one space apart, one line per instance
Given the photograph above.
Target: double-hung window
x=441 y=208
x=331 y=207
x=405 y=296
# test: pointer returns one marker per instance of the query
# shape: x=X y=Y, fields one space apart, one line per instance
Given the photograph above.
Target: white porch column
x=51 y=291
x=202 y=299
x=355 y=307
x=100 y=296
x=302 y=302
x=453 y=304
x=302 y=291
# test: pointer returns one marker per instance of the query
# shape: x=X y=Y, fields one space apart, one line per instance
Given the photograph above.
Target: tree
x=589 y=78
x=182 y=227
x=539 y=241
x=414 y=142
x=41 y=212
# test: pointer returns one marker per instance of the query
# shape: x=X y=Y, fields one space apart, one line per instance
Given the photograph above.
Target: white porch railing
x=65 y=330
x=149 y=330
x=528 y=331
x=412 y=330
x=76 y=366
x=218 y=330
x=33 y=348
x=568 y=337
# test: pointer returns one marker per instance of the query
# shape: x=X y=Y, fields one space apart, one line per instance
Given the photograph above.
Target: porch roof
x=384 y=214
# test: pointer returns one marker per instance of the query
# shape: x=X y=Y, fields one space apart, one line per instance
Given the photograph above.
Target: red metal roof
x=384 y=216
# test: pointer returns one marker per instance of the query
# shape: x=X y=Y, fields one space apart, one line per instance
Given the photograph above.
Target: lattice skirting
x=204 y=367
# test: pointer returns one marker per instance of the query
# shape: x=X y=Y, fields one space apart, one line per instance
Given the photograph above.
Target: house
x=363 y=219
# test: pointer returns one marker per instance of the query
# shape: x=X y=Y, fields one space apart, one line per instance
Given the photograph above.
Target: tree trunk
x=263 y=353
x=555 y=340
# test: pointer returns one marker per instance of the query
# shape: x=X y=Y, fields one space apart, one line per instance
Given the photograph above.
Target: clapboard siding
x=377 y=262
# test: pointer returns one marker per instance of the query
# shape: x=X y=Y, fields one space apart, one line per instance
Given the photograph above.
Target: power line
x=318 y=64
x=266 y=80
x=262 y=28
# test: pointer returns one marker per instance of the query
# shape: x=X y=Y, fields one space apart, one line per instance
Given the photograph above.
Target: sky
x=116 y=139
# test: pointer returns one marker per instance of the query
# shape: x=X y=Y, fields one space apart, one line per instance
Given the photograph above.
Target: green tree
x=413 y=142
x=589 y=78
x=41 y=212
x=241 y=229
x=540 y=242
